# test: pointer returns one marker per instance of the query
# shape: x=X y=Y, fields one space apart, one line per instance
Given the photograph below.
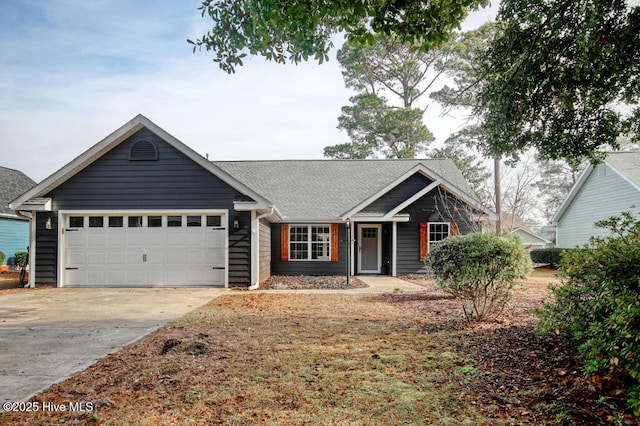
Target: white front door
x=148 y=249
x=369 y=249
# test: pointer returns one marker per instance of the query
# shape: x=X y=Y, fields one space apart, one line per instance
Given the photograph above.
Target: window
x=438 y=231
x=116 y=221
x=194 y=220
x=96 y=221
x=214 y=221
x=154 y=221
x=174 y=221
x=135 y=221
x=76 y=221
x=310 y=242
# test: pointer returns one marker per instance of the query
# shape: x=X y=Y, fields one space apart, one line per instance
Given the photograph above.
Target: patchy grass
x=334 y=359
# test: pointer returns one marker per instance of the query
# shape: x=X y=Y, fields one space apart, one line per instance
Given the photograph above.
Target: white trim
x=115 y=138
x=309 y=242
x=424 y=191
x=438 y=223
x=394 y=249
x=63 y=214
x=574 y=191
x=378 y=227
x=374 y=218
x=255 y=251
x=32 y=250
x=422 y=169
x=526 y=231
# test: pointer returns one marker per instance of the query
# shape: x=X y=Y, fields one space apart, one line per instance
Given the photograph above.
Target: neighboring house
x=140 y=208
x=14 y=229
x=519 y=227
x=604 y=190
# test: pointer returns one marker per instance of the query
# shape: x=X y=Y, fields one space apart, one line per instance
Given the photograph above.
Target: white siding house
x=602 y=191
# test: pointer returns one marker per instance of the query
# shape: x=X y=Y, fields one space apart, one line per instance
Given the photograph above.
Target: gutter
x=256 y=285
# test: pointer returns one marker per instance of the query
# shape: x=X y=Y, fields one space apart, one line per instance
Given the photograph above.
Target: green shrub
x=21 y=258
x=481 y=270
x=597 y=305
x=549 y=256
x=2 y=257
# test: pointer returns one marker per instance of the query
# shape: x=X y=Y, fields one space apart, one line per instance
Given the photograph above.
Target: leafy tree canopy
x=563 y=77
x=296 y=30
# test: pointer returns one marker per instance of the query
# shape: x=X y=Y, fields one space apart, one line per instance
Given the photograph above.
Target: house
x=603 y=190
x=140 y=208
x=14 y=229
x=517 y=226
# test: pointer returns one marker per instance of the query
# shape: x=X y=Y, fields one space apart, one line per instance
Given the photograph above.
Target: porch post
x=394 y=247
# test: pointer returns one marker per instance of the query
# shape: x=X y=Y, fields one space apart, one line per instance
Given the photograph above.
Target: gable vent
x=143 y=151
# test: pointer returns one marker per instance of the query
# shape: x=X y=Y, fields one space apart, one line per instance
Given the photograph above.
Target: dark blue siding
x=298 y=267
x=172 y=182
x=399 y=194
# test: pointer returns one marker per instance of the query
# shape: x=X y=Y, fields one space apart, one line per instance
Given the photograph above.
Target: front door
x=370 y=249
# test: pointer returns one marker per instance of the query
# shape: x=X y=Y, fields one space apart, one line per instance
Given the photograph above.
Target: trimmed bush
x=549 y=256
x=2 y=257
x=597 y=306
x=21 y=258
x=481 y=270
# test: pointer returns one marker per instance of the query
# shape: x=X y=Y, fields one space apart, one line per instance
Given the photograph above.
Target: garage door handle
x=71 y=269
x=144 y=257
x=218 y=267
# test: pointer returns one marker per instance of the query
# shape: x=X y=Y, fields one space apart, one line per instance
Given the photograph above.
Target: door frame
x=378 y=227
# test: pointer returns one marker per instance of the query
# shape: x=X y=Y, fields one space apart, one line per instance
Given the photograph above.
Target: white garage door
x=144 y=249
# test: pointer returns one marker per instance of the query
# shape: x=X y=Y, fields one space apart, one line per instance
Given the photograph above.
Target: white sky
x=73 y=71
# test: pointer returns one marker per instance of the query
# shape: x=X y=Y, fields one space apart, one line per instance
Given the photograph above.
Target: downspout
x=256 y=284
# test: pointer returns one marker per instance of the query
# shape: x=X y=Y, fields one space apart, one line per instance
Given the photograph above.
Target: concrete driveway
x=46 y=335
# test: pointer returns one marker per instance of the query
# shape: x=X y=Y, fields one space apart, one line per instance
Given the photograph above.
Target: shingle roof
x=12 y=184
x=627 y=163
x=325 y=189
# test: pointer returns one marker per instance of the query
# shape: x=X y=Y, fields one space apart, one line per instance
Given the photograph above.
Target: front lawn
x=401 y=358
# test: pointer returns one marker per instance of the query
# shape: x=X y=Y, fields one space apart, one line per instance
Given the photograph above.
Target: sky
x=73 y=71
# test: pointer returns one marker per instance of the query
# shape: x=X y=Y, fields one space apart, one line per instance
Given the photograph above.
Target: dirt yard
x=337 y=359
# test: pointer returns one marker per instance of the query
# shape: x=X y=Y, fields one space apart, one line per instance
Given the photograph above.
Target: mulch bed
x=306 y=282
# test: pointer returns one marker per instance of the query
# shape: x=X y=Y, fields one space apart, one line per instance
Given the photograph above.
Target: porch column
x=394 y=247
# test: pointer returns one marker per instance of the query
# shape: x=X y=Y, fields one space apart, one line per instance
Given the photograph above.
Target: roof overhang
x=437 y=181
x=528 y=232
x=98 y=150
x=38 y=204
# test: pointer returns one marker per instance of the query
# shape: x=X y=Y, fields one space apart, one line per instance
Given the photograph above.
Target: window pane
x=194 y=220
x=214 y=221
x=438 y=232
x=135 y=221
x=96 y=221
x=154 y=221
x=174 y=221
x=299 y=251
x=116 y=221
x=76 y=221
x=320 y=246
x=299 y=233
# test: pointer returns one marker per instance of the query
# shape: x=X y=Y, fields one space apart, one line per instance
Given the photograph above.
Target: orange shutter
x=453 y=229
x=424 y=240
x=334 y=242
x=284 y=242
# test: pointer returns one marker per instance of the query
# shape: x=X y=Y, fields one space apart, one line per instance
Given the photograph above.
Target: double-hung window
x=309 y=242
x=438 y=231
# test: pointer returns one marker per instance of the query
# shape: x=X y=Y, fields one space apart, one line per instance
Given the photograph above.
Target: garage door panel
x=144 y=256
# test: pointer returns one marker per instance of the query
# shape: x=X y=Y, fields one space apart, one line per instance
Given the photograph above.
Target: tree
x=473 y=169
x=390 y=76
x=563 y=76
x=557 y=179
x=375 y=127
x=293 y=30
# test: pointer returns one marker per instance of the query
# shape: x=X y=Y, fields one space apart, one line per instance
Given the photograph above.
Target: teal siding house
x=602 y=191
x=14 y=230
